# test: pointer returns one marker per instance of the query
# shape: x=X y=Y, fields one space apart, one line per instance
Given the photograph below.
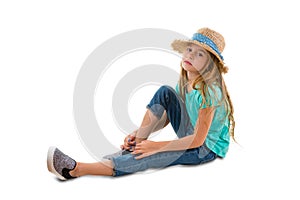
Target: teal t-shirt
x=218 y=137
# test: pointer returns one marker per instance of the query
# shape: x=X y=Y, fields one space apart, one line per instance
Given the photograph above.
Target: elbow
x=198 y=140
x=197 y=143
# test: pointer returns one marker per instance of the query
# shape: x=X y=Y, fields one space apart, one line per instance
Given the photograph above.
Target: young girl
x=199 y=110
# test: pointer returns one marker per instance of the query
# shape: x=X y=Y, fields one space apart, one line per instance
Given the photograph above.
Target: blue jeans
x=166 y=99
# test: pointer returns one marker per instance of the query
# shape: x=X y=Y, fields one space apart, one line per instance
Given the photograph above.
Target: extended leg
x=97 y=168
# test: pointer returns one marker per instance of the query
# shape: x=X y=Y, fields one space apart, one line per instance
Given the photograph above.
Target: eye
x=189 y=49
x=200 y=54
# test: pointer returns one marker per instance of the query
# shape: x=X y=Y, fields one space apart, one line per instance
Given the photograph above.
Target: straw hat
x=210 y=40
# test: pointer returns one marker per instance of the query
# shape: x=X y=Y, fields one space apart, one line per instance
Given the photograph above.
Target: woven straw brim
x=181 y=45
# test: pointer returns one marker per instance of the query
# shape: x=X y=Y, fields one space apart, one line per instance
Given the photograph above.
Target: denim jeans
x=166 y=99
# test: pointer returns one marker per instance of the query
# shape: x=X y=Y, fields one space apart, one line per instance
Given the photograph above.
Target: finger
x=137 y=148
x=132 y=137
x=138 y=157
x=129 y=140
x=133 y=143
x=127 y=147
x=136 y=152
x=141 y=156
x=124 y=147
x=139 y=145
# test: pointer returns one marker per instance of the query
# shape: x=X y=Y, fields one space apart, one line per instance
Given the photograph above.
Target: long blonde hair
x=209 y=75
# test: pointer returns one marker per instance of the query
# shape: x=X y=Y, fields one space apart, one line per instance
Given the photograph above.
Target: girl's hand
x=145 y=148
x=129 y=142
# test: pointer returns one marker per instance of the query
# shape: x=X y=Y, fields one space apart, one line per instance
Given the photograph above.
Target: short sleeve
x=213 y=98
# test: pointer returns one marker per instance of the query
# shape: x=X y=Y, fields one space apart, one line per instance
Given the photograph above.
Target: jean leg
x=166 y=99
x=127 y=164
x=195 y=156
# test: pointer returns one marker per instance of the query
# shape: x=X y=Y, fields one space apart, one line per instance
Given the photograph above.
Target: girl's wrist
x=160 y=146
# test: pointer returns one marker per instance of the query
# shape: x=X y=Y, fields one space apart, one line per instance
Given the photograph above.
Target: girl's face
x=194 y=58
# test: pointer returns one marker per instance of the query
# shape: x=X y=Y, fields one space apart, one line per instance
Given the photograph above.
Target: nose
x=191 y=55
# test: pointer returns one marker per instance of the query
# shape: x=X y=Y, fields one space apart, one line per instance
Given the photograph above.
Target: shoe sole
x=50 y=165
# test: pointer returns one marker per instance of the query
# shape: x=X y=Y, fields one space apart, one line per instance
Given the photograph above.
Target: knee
x=165 y=89
x=166 y=92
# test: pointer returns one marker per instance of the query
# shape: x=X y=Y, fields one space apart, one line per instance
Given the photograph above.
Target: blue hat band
x=205 y=40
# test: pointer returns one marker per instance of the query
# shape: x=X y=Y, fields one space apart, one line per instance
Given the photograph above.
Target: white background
x=43 y=45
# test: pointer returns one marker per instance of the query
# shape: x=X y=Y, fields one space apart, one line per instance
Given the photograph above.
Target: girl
x=199 y=110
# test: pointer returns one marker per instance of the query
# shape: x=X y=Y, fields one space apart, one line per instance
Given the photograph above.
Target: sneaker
x=60 y=164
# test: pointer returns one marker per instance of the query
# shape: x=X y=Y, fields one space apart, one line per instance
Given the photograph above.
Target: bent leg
x=165 y=106
x=149 y=125
x=167 y=100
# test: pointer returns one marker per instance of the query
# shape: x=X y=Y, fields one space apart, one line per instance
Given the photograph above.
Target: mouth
x=187 y=62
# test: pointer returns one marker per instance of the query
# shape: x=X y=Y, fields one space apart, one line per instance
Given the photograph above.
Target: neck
x=192 y=76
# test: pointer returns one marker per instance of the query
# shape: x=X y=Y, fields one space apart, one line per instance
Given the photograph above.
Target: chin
x=189 y=68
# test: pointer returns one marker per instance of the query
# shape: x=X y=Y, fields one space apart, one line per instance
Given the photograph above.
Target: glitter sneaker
x=60 y=164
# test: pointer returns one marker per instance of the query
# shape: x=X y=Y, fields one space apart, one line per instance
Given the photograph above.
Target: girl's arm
x=205 y=117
